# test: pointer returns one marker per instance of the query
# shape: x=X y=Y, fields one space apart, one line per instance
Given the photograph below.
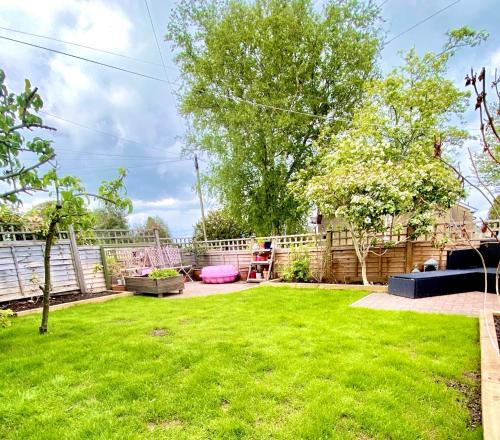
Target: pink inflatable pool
x=219 y=274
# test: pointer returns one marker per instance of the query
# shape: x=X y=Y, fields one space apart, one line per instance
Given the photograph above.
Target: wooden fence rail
x=78 y=259
x=340 y=237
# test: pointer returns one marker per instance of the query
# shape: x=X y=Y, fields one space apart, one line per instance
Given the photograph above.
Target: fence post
x=105 y=268
x=16 y=265
x=328 y=256
x=77 y=263
x=157 y=237
x=409 y=250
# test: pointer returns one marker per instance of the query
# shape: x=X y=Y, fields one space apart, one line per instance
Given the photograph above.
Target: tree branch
x=460 y=174
x=27 y=103
x=478 y=177
x=95 y=196
x=24 y=189
x=29 y=126
x=480 y=103
x=25 y=170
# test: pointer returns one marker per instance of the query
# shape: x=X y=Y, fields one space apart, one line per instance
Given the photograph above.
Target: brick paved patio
x=469 y=303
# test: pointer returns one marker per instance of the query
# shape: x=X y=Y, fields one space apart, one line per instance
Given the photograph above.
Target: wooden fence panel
x=30 y=273
x=21 y=269
x=90 y=256
x=21 y=257
x=381 y=264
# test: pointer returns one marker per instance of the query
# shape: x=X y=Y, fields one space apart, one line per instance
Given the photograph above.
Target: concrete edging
x=328 y=286
x=99 y=299
x=490 y=376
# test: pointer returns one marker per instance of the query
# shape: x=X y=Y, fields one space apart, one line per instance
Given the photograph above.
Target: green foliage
x=298 y=267
x=8 y=214
x=220 y=224
x=114 y=267
x=279 y=53
x=463 y=37
x=69 y=208
x=109 y=217
x=68 y=204
x=5 y=315
x=384 y=167
x=161 y=274
x=18 y=114
x=157 y=223
x=70 y=201
x=494 y=211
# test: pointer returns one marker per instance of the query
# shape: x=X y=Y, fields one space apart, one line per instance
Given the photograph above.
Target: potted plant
x=196 y=274
x=114 y=276
x=115 y=273
x=158 y=282
x=243 y=273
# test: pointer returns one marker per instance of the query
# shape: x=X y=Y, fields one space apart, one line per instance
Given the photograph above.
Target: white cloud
x=145 y=110
x=495 y=60
x=167 y=202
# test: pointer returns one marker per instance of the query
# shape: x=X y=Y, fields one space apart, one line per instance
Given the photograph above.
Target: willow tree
x=385 y=167
x=259 y=79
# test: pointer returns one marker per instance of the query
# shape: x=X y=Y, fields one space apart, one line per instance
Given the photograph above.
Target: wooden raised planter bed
x=156 y=287
x=490 y=374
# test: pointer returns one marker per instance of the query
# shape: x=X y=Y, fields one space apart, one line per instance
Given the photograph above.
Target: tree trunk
x=46 y=265
x=364 y=277
x=361 y=254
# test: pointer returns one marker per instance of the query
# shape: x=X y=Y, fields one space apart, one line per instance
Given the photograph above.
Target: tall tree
x=157 y=222
x=110 y=217
x=385 y=166
x=293 y=62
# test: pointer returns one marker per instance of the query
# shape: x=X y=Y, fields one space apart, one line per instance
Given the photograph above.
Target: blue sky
x=142 y=113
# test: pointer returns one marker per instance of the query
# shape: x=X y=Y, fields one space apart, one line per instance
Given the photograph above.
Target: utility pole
x=198 y=187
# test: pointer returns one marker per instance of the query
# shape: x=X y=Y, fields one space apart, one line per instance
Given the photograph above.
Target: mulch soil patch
x=34 y=303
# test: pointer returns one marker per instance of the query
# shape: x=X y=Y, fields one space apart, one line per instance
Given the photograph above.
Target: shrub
x=298 y=267
x=4 y=317
x=161 y=274
x=220 y=224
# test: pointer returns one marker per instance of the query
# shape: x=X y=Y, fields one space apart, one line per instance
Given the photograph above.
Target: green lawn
x=265 y=363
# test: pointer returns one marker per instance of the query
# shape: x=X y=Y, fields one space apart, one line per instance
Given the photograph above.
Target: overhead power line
x=132 y=72
x=105 y=156
x=110 y=66
x=78 y=124
x=108 y=169
x=421 y=22
x=96 y=49
x=121 y=138
x=156 y=39
x=128 y=156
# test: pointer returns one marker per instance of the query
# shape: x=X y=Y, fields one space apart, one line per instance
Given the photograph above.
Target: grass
x=265 y=363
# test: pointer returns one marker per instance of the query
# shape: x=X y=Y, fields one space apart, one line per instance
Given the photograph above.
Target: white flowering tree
x=364 y=184
x=384 y=166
